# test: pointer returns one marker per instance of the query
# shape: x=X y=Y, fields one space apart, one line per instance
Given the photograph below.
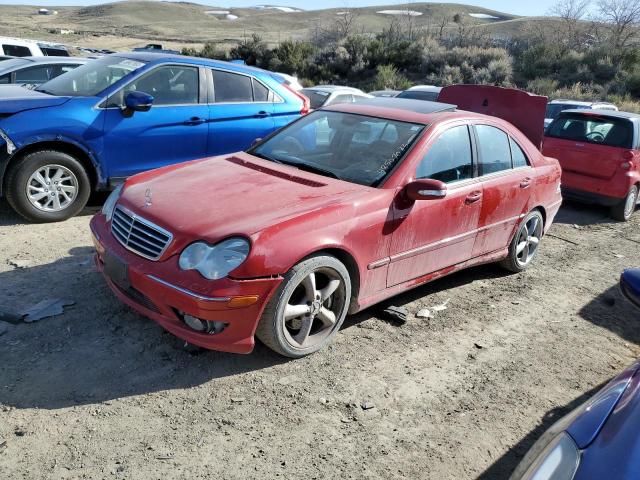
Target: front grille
x=139 y=235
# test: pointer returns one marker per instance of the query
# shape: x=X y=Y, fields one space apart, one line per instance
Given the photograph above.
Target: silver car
x=33 y=71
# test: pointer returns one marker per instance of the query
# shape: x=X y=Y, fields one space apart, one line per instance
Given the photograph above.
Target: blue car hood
x=14 y=99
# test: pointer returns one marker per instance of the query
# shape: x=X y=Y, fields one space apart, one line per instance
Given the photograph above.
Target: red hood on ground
x=238 y=194
x=523 y=110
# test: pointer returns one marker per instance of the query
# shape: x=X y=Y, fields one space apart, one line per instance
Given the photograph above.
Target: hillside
x=184 y=23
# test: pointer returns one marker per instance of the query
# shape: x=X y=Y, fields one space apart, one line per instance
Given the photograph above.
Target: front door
x=174 y=130
x=433 y=234
x=506 y=185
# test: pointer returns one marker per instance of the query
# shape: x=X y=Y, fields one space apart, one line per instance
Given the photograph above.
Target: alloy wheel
x=528 y=240
x=52 y=188
x=312 y=310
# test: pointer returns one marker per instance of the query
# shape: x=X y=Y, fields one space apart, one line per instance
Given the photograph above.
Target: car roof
x=401 y=109
x=424 y=88
x=578 y=102
x=334 y=88
x=604 y=113
x=47 y=59
x=174 y=57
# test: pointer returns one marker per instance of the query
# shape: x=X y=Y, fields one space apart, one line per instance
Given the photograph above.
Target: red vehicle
x=346 y=207
x=600 y=157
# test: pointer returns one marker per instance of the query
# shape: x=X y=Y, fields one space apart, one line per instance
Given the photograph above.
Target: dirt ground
x=100 y=392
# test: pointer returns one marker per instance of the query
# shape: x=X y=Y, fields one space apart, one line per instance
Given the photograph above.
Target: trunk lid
x=523 y=110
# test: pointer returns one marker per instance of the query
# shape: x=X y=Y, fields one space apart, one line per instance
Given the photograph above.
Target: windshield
x=316 y=98
x=355 y=148
x=419 y=95
x=613 y=132
x=91 y=78
x=554 y=109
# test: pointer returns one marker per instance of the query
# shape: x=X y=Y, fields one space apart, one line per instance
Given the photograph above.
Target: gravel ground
x=100 y=392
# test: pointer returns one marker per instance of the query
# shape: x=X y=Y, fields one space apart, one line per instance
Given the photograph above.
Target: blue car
x=598 y=440
x=93 y=127
x=630 y=285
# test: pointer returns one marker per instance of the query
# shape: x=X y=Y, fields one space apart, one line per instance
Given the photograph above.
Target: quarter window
x=494 y=150
x=449 y=158
x=517 y=155
x=260 y=92
x=170 y=85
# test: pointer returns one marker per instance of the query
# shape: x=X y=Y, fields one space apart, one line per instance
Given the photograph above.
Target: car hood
x=523 y=110
x=14 y=99
x=238 y=194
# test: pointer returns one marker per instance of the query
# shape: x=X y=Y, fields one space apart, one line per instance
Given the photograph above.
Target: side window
x=260 y=92
x=493 y=148
x=6 y=78
x=517 y=155
x=16 y=50
x=232 y=87
x=449 y=158
x=170 y=85
x=32 y=75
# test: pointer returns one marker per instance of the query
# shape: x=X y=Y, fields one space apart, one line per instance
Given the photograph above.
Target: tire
x=285 y=336
x=529 y=234
x=74 y=184
x=623 y=210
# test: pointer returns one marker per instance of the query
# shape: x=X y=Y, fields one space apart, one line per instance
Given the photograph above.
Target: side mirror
x=256 y=141
x=138 y=101
x=426 y=189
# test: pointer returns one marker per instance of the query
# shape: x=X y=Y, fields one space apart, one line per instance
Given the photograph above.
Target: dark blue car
x=598 y=440
x=91 y=128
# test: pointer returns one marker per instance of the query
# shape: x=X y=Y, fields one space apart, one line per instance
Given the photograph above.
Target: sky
x=537 y=7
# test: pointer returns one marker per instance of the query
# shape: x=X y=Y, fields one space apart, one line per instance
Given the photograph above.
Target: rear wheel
x=308 y=308
x=524 y=246
x=623 y=210
x=48 y=186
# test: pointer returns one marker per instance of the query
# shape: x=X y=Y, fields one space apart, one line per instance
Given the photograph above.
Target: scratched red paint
x=390 y=243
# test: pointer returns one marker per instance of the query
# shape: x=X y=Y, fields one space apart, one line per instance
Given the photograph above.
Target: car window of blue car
x=169 y=85
x=92 y=78
x=231 y=87
x=449 y=157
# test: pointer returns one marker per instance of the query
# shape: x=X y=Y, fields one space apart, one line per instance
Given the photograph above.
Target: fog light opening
x=204 y=326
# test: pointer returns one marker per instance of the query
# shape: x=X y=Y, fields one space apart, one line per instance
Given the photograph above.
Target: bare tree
x=620 y=19
x=571 y=13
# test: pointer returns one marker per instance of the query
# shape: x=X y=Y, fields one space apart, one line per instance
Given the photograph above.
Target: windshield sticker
x=132 y=64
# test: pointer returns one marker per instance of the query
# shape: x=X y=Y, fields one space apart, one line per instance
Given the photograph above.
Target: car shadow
x=8 y=217
x=612 y=311
x=582 y=214
x=507 y=463
x=98 y=349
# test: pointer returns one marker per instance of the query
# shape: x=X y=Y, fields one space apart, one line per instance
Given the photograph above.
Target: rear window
x=555 y=109
x=316 y=98
x=613 y=132
x=419 y=95
x=54 y=52
x=16 y=50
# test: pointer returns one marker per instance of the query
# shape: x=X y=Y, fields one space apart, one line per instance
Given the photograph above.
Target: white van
x=17 y=47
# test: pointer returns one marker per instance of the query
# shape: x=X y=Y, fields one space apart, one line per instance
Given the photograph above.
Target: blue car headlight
x=10 y=145
x=559 y=460
x=215 y=261
x=110 y=205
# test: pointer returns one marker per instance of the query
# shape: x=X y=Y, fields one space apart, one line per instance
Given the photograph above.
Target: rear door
x=507 y=178
x=241 y=110
x=589 y=144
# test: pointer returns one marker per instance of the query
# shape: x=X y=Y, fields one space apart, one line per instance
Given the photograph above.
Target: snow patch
x=410 y=13
x=231 y=17
x=217 y=12
x=276 y=7
x=483 y=15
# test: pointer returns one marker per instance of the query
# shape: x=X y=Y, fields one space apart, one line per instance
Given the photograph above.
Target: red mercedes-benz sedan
x=342 y=209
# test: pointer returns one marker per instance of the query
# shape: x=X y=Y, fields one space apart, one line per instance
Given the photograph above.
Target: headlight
x=214 y=262
x=110 y=204
x=559 y=460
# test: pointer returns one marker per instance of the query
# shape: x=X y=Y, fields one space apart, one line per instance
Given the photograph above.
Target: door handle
x=473 y=197
x=262 y=114
x=525 y=183
x=195 y=121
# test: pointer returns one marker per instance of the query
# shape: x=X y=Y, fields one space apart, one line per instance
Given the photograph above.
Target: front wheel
x=48 y=186
x=308 y=308
x=524 y=246
x=623 y=210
